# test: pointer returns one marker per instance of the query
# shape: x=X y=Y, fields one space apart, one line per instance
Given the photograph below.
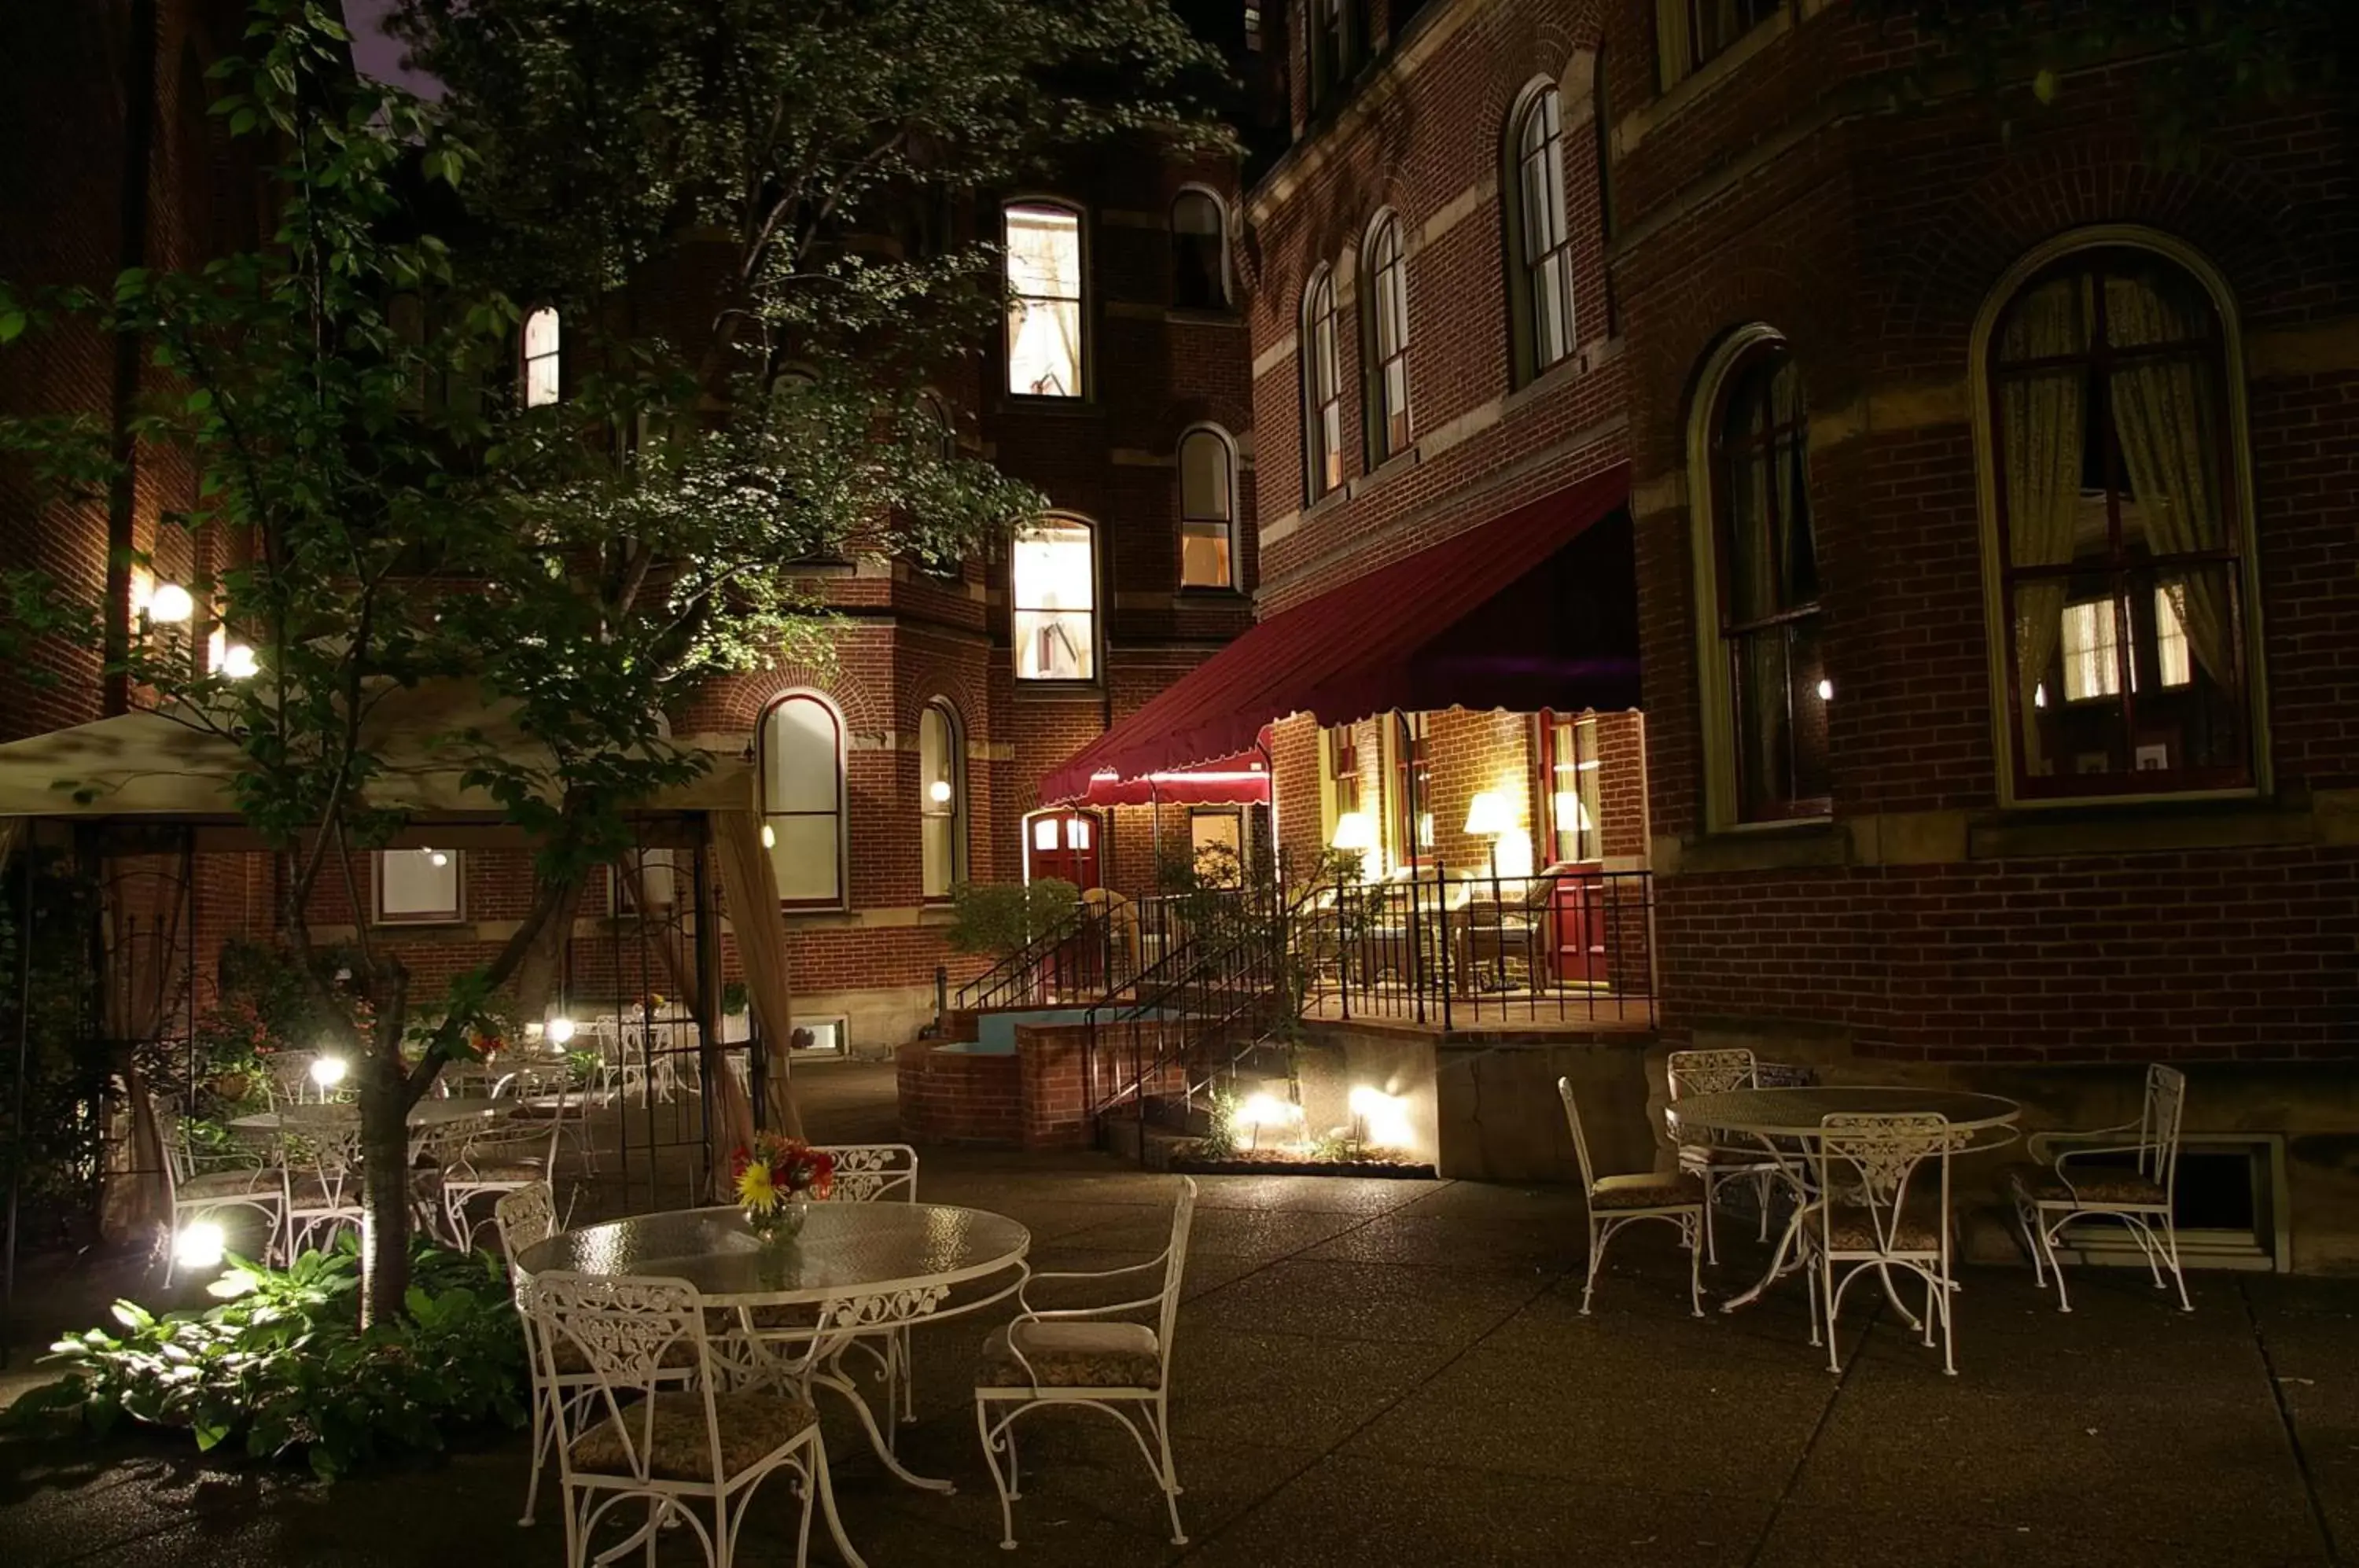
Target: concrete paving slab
x=1365 y=1300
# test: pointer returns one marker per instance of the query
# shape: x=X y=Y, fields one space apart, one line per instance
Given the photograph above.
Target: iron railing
x=1099 y=951
x=1559 y=947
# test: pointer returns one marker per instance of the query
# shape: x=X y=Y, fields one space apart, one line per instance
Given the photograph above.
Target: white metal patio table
x=1785 y=1121
x=861 y=1268
x=341 y=1118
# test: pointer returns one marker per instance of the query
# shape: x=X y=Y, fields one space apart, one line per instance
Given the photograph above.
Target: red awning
x=1239 y=780
x=1408 y=636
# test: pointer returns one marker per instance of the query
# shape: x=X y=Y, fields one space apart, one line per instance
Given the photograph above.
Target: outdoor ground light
x=328 y=1071
x=559 y=1030
x=171 y=604
x=1266 y=1110
x=1382 y=1118
x=199 y=1244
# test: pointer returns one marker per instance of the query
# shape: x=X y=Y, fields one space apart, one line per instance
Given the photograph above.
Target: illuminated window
x=1542 y=302
x=1570 y=789
x=1052 y=583
x=1198 y=252
x=541 y=339
x=941 y=800
x=417 y=887
x=1044 y=310
x=1322 y=396
x=1383 y=337
x=802 y=799
x=1207 y=510
x=2118 y=527
x=1412 y=791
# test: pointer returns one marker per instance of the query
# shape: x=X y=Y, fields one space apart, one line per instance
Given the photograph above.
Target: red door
x=1062 y=845
x=1580 y=929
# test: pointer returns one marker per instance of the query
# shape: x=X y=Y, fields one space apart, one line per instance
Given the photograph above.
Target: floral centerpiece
x=777 y=1179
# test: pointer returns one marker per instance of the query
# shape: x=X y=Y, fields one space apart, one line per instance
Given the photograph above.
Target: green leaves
x=283 y=1364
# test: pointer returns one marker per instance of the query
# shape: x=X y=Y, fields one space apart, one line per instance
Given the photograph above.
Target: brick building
x=1992 y=553
x=905 y=764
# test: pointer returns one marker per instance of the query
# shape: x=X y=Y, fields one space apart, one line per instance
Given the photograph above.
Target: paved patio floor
x=1398 y=1372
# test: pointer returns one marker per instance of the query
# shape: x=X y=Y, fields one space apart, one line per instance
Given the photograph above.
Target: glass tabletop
x=1796 y=1112
x=845 y=1250
x=425 y=1113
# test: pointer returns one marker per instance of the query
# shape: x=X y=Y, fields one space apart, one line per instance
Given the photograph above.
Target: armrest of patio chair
x=1028 y=1313
x=2039 y=1144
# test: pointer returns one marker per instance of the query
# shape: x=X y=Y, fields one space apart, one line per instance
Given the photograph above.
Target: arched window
x=941 y=800
x=542 y=340
x=938 y=429
x=1053 y=594
x=2119 y=542
x=1384 y=340
x=1044 y=307
x=1208 y=509
x=1764 y=680
x=1200 y=279
x=1540 y=299
x=1322 y=394
x=802 y=798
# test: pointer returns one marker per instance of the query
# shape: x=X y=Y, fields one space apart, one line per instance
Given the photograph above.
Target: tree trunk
x=385 y=1156
x=543 y=959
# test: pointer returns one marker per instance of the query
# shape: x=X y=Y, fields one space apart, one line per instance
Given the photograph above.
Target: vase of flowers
x=777 y=1180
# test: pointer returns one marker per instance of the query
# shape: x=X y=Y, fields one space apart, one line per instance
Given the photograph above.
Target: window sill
x=1201 y=596
x=1565 y=370
x=1701 y=83
x=2119 y=827
x=1092 y=689
x=1062 y=407
x=1384 y=473
x=1327 y=503
x=1813 y=843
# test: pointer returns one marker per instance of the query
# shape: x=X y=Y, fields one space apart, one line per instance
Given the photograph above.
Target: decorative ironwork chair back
x=2158 y=1120
x=871 y=1172
x=626 y=1328
x=524 y=1217
x=1579 y=1137
x=1175 y=1264
x=1711 y=1072
x=1872 y=1160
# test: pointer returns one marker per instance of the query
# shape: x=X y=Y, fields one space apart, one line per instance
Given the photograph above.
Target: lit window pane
x=1053 y=583
x=802 y=799
x=2170 y=654
x=1044 y=318
x=2091 y=667
x=411 y=886
x=541 y=358
x=1204 y=555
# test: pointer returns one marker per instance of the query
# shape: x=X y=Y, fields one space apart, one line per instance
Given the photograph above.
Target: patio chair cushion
x=2091 y=1185
x=1070 y=1356
x=753 y=1427
x=1699 y=1155
x=1851 y=1228
x=1646 y=1190
x=229 y=1184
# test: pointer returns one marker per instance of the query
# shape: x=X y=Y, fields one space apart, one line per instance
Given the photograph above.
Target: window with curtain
x=2120 y=539
x=1412 y=790
x=420 y=887
x=1337 y=42
x=1765 y=554
x=543 y=339
x=1543 y=245
x=1690 y=32
x=1322 y=394
x=1383 y=336
x=1570 y=789
x=1052 y=594
x=1044 y=308
x=802 y=799
x=1208 y=510
x=941 y=800
x=1198 y=252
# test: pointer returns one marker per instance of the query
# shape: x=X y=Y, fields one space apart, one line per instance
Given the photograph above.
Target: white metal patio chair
x=640 y=1437
x=1875 y=1214
x=322 y=1168
x=502 y=1157
x=1677 y=1198
x=871 y=1173
x=1088 y=1356
x=2051 y=1194
x=251 y=1182
x=1693 y=1072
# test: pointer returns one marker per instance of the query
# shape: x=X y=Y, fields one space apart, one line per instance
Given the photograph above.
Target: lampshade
x=1487 y=815
x=1354 y=830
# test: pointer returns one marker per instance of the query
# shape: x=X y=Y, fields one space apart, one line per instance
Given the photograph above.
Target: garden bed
x=1278 y=1162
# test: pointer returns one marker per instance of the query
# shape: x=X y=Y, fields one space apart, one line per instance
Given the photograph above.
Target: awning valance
x=1535 y=609
x=1239 y=780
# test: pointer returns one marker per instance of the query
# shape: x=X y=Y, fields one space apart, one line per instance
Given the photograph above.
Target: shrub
x=999 y=918
x=283 y=1364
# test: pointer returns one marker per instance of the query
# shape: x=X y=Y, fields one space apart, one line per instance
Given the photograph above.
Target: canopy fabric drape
x=750 y=886
x=2163 y=414
x=2040 y=434
x=135 y=1195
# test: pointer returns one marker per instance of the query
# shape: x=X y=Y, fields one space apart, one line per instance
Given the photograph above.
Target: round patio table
x=861 y=1269
x=423 y=1116
x=1785 y=1123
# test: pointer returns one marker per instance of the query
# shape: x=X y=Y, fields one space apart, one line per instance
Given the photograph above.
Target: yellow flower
x=755 y=1188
